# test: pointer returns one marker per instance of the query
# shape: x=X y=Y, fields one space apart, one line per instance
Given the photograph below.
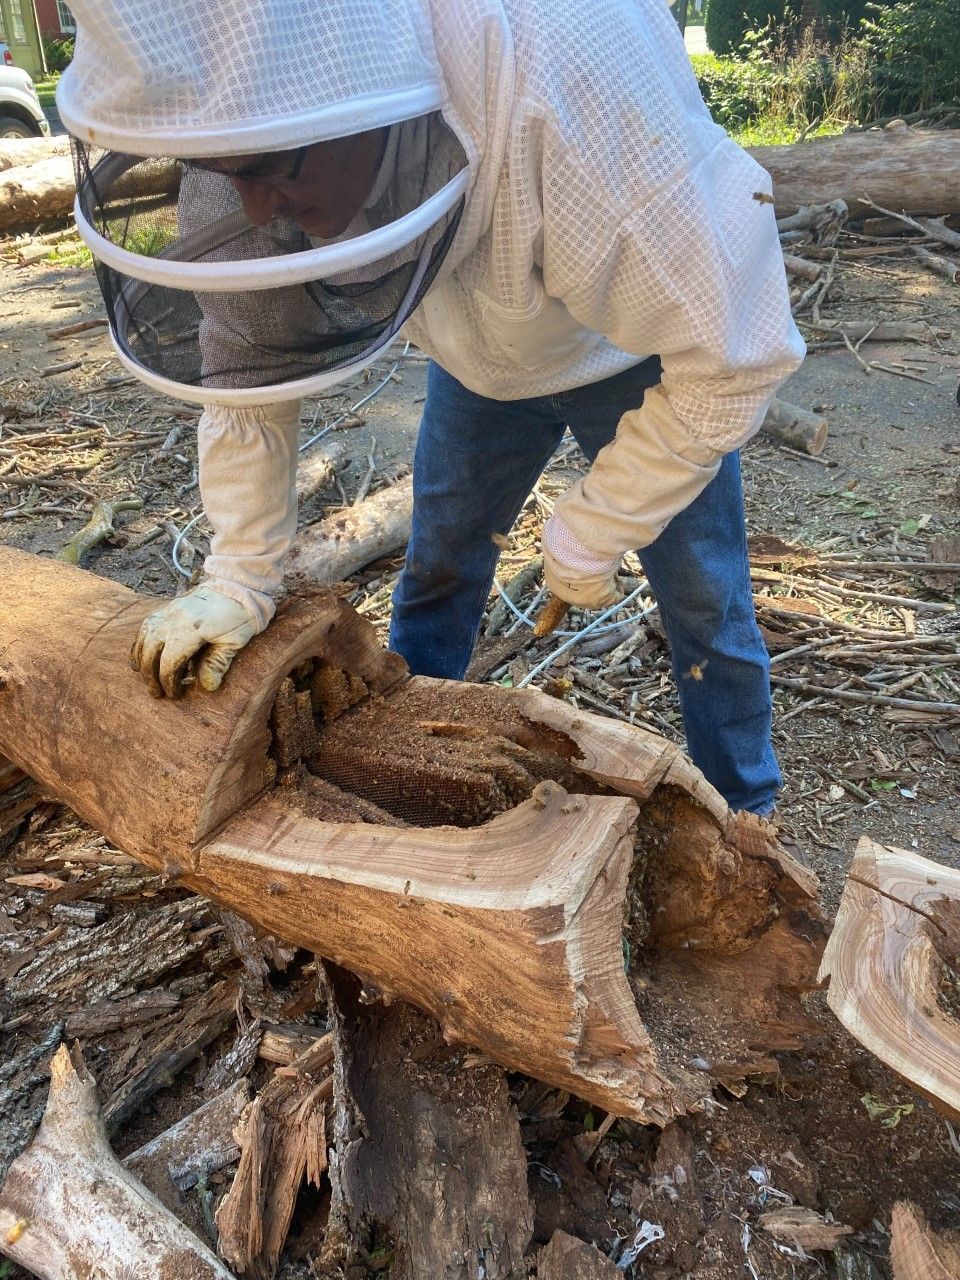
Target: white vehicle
x=21 y=115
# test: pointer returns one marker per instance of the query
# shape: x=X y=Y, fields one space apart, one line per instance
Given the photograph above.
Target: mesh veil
x=245 y=337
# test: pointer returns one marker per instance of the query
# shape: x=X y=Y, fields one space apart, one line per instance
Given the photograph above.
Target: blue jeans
x=476 y=462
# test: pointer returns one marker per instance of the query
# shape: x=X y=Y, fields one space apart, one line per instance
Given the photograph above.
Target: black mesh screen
x=187 y=212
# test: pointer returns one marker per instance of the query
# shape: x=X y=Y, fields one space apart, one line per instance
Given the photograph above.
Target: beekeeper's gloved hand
x=195 y=637
x=248 y=467
x=572 y=572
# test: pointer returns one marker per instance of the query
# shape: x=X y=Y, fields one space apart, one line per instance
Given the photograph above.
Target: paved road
x=695 y=39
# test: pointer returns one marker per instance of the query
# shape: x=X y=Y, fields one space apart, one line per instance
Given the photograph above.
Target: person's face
x=321 y=188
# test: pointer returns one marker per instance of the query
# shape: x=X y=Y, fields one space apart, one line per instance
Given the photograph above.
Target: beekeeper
x=535 y=194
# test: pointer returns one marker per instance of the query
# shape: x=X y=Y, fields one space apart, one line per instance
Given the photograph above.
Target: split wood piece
x=825 y=221
x=430 y=1166
x=113 y=1015
x=318 y=469
x=23 y=151
x=796 y=427
x=916 y=1252
x=876 y=331
x=803 y=1228
x=282 y=1142
x=38 y=192
x=917 y=170
x=19 y=796
x=206 y=1019
x=340 y=544
x=200 y=1144
x=892 y=962
x=567 y=1258
x=68 y=1208
x=283 y=1042
x=190 y=764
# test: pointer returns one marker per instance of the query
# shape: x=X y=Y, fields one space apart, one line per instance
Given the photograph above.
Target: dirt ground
x=834 y=1130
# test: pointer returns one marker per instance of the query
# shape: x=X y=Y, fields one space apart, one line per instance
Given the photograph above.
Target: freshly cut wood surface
x=154 y=776
x=892 y=965
x=68 y=1208
x=916 y=1252
x=917 y=170
x=339 y=545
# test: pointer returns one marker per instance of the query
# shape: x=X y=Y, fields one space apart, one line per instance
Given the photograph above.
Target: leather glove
x=573 y=573
x=198 y=634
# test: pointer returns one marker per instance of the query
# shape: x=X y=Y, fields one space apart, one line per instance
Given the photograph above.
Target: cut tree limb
x=340 y=544
x=917 y=170
x=318 y=469
x=68 y=1208
x=45 y=190
x=916 y=1252
x=796 y=427
x=892 y=962
x=15 y=152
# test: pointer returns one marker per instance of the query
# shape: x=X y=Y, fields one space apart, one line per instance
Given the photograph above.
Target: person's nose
x=260 y=203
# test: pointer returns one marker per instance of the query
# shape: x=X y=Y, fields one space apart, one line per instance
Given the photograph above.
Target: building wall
x=55 y=21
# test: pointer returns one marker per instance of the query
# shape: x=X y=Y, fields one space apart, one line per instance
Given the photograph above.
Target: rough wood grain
x=167 y=773
x=916 y=1252
x=898 y=923
x=917 y=170
x=42 y=190
x=23 y=151
x=430 y=1166
x=68 y=1208
x=567 y=1258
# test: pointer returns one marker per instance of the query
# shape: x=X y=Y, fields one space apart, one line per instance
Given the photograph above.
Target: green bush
x=57 y=53
x=735 y=90
x=728 y=21
x=915 y=48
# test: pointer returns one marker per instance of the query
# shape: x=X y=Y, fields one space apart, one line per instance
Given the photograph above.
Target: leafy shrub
x=57 y=53
x=728 y=21
x=915 y=48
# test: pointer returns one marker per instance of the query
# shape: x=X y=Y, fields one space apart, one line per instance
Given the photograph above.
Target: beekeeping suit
x=552 y=204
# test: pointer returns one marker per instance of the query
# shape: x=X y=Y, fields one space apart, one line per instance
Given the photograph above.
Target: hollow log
x=472 y=850
x=38 y=192
x=68 y=1208
x=796 y=427
x=339 y=545
x=893 y=962
x=915 y=170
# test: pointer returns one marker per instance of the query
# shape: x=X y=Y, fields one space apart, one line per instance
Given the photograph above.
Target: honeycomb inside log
x=420 y=756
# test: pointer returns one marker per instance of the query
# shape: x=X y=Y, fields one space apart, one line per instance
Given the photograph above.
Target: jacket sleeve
x=248 y=467
x=695 y=275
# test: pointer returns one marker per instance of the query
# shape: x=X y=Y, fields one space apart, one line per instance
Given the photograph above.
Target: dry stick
x=941 y=266
x=946 y=566
x=878 y=597
x=63 y=367
x=901 y=373
x=68 y=330
x=929 y=226
x=855 y=353
x=871 y=699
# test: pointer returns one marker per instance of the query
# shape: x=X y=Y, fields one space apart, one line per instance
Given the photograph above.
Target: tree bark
x=429 y=1168
x=893 y=962
x=15 y=152
x=339 y=545
x=916 y=170
x=68 y=1208
x=506 y=926
x=41 y=191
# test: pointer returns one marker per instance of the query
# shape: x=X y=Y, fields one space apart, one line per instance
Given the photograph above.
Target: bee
x=696 y=671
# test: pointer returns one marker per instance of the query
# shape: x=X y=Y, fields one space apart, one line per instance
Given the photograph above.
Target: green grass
x=46 y=91
x=778 y=132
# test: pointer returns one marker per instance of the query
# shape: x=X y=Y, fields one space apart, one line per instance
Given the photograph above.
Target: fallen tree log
x=39 y=192
x=915 y=170
x=893 y=962
x=506 y=927
x=339 y=545
x=15 y=152
x=796 y=427
x=68 y=1207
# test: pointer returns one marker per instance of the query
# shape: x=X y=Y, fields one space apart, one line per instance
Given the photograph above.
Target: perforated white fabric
x=224 y=77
